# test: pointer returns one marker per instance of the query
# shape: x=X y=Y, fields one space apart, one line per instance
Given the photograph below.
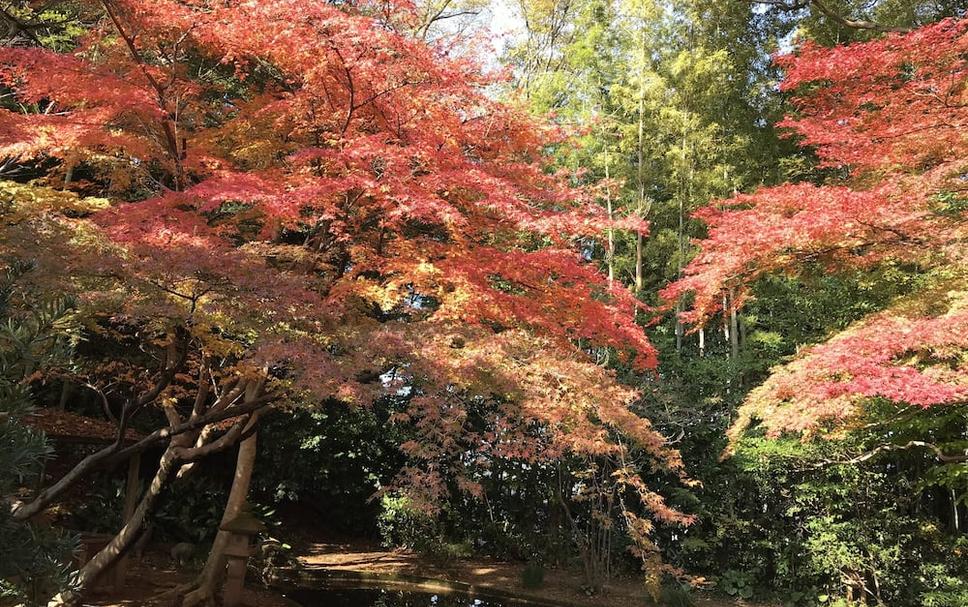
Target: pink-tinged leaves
x=893 y=114
x=330 y=197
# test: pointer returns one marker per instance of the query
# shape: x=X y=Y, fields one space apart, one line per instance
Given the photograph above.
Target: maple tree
x=889 y=115
x=300 y=202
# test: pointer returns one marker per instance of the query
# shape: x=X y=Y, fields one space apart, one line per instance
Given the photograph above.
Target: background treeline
x=678 y=101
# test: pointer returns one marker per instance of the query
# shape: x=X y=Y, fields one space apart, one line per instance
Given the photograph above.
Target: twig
x=938 y=453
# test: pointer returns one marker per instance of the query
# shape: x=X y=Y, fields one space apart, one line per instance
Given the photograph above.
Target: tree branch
x=111 y=454
x=938 y=453
x=193 y=424
x=858 y=24
x=170 y=130
x=225 y=441
x=16 y=25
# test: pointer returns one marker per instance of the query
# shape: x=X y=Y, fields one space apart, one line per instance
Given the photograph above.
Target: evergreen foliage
x=34 y=337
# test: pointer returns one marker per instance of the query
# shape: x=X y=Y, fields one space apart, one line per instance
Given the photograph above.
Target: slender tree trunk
x=639 y=243
x=741 y=327
x=640 y=172
x=954 y=511
x=68 y=176
x=214 y=570
x=131 y=490
x=733 y=327
x=65 y=395
x=680 y=234
x=702 y=341
x=610 y=251
x=679 y=327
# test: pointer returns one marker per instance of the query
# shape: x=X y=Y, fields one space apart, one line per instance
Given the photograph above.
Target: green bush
x=190 y=511
x=100 y=509
x=330 y=459
x=401 y=525
x=737 y=584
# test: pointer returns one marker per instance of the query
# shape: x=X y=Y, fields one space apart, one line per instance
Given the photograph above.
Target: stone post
x=241 y=529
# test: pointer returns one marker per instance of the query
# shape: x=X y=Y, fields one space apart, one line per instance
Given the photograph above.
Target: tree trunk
x=638 y=263
x=610 y=251
x=679 y=327
x=640 y=172
x=954 y=511
x=65 y=395
x=131 y=529
x=214 y=571
x=733 y=327
x=131 y=490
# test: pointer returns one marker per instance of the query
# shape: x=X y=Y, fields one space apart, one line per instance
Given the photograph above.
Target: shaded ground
x=559 y=585
x=155 y=574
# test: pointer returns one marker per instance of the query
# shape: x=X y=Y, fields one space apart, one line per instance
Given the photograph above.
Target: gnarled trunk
x=131 y=529
x=181 y=450
x=214 y=570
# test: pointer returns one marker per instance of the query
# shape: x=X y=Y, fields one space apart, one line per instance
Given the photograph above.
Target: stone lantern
x=241 y=531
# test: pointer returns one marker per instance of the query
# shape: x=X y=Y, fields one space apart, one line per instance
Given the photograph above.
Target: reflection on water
x=382 y=597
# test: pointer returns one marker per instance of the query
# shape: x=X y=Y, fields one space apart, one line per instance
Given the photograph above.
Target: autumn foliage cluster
x=891 y=117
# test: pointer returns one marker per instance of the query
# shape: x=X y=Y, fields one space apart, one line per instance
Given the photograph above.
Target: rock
x=182 y=552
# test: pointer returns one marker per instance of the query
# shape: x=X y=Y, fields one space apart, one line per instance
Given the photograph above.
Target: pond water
x=383 y=597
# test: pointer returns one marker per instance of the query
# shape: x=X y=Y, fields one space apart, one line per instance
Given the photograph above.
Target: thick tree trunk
x=107 y=556
x=173 y=361
x=178 y=452
x=214 y=571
